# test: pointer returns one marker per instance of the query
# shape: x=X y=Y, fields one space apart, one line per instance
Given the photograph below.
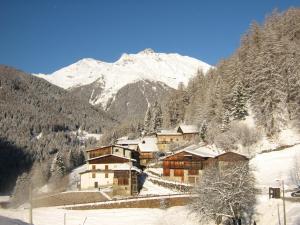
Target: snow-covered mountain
x=109 y=78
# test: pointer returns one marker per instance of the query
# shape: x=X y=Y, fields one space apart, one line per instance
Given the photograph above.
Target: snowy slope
x=170 y=69
x=273 y=166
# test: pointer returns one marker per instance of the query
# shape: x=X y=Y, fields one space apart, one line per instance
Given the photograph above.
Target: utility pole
x=283 y=199
x=30 y=204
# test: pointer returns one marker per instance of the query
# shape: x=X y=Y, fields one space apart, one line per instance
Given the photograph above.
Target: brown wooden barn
x=187 y=164
x=229 y=158
x=189 y=132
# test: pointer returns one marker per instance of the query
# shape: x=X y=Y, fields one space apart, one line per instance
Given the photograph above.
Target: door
x=96 y=184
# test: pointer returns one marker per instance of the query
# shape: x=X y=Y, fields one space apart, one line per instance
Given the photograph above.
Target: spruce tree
x=157 y=119
x=225 y=121
x=203 y=130
x=147 y=120
x=239 y=101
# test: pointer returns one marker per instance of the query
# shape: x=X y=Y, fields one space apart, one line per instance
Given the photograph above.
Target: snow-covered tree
x=225 y=195
x=239 y=101
x=295 y=171
x=157 y=119
x=147 y=120
x=203 y=130
x=225 y=121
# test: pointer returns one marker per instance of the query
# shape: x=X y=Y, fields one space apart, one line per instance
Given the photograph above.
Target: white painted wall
x=88 y=182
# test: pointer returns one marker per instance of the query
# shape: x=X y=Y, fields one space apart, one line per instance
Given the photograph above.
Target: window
x=93 y=167
x=106 y=167
x=96 y=184
x=106 y=175
x=171 y=139
x=123 y=181
x=93 y=175
x=178 y=172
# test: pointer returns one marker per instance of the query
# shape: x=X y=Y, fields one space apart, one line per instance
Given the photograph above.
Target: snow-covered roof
x=168 y=132
x=148 y=144
x=199 y=150
x=188 y=129
x=128 y=142
x=203 y=151
x=102 y=156
x=98 y=148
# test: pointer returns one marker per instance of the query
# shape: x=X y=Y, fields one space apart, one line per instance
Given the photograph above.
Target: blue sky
x=43 y=36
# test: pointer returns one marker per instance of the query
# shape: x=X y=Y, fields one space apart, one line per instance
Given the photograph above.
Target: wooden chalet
x=229 y=158
x=147 y=149
x=131 y=144
x=115 y=166
x=111 y=170
x=166 y=137
x=187 y=164
x=117 y=150
x=189 y=132
x=184 y=133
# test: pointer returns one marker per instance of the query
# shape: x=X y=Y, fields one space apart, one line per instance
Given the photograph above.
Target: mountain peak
x=146 y=51
x=170 y=69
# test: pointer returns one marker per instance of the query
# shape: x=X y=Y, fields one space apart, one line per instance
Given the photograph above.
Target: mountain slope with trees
x=38 y=123
x=261 y=77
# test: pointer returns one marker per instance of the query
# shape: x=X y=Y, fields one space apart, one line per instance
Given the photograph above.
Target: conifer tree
x=156 y=120
x=203 y=130
x=225 y=121
x=239 y=101
x=147 y=120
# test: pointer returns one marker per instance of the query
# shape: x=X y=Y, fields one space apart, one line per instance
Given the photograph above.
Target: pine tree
x=157 y=119
x=203 y=130
x=239 y=101
x=225 y=121
x=147 y=120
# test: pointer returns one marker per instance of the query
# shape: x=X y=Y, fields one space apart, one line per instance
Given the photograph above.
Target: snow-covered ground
x=268 y=168
x=152 y=189
x=74 y=177
x=273 y=166
x=54 y=216
x=270 y=211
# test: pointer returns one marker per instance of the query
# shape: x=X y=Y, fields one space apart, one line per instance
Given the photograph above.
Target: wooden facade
x=114 y=150
x=125 y=184
x=184 y=167
x=229 y=158
x=110 y=166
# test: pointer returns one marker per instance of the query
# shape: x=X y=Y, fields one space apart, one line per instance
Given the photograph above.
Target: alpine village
x=155 y=138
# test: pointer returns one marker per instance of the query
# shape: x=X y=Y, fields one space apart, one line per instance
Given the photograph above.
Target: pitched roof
x=101 y=147
x=224 y=153
x=203 y=151
x=168 y=132
x=148 y=144
x=188 y=129
x=128 y=142
x=199 y=150
x=103 y=156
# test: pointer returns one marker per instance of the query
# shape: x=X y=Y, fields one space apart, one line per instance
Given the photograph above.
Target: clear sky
x=43 y=36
